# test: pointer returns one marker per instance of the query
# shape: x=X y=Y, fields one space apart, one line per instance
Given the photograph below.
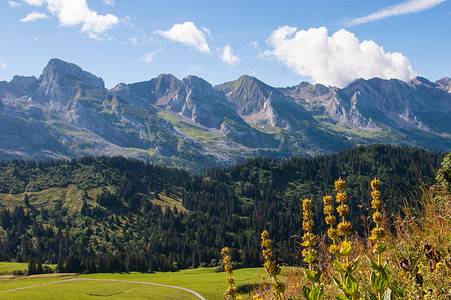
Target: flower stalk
x=271 y=267
x=379 y=276
x=313 y=273
x=231 y=290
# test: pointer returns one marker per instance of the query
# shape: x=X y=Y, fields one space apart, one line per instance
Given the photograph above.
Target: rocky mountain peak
x=194 y=82
x=155 y=91
x=197 y=100
x=247 y=93
x=58 y=70
x=24 y=82
x=444 y=84
x=422 y=81
x=166 y=81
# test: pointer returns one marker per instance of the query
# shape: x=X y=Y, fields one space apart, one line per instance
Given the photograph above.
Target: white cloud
x=35 y=2
x=76 y=12
x=2 y=65
x=133 y=40
x=33 y=16
x=228 y=56
x=14 y=4
x=148 y=57
x=188 y=34
x=108 y=2
x=254 y=45
x=335 y=60
x=407 y=7
x=206 y=30
x=127 y=20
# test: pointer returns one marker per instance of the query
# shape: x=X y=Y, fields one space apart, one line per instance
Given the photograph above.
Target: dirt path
x=114 y=280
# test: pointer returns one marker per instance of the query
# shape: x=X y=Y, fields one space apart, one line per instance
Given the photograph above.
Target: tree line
x=124 y=227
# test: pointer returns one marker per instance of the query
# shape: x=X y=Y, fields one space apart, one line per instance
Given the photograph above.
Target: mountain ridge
x=67 y=112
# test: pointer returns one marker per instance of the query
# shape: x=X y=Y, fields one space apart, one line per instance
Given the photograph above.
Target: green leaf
x=341 y=297
x=310 y=275
x=379 y=281
x=351 y=286
x=338 y=266
x=316 y=293
x=384 y=280
x=369 y=295
x=306 y=292
x=310 y=258
x=380 y=248
x=374 y=265
x=373 y=278
x=337 y=282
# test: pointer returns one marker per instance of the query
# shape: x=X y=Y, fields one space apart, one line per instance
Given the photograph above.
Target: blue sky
x=280 y=42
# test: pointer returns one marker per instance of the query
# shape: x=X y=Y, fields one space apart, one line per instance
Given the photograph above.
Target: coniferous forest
x=104 y=214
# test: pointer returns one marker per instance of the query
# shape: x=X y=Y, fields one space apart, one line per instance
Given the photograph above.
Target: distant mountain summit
x=156 y=91
x=67 y=112
x=376 y=103
x=257 y=103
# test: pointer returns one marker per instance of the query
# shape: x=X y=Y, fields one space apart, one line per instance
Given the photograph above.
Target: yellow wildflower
x=340 y=184
x=327 y=200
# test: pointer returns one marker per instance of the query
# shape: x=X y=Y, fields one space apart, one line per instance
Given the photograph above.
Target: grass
x=10 y=267
x=174 y=199
x=95 y=289
x=205 y=281
x=195 y=132
x=70 y=196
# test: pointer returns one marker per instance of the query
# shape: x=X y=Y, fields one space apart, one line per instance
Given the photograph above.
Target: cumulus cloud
x=148 y=57
x=336 y=60
x=33 y=16
x=407 y=7
x=189 y=35
x=227 y=56
x=76 y=12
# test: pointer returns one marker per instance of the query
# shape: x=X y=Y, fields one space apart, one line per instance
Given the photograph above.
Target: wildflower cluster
x=346 y=282
x=378 y=233
x=271 y=267
x=379 y=276
x=310 y=254
x=331 y=220
x=231 y=291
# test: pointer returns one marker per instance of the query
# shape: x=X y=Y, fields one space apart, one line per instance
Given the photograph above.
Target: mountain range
x=67 y=112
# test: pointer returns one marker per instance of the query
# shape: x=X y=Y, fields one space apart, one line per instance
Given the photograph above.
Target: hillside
x=117 y=214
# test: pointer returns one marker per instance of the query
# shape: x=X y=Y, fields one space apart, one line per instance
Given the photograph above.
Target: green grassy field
x=204 y=281
x=10 y=267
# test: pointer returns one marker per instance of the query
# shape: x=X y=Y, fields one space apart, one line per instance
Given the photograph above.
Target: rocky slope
x=67 y=112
